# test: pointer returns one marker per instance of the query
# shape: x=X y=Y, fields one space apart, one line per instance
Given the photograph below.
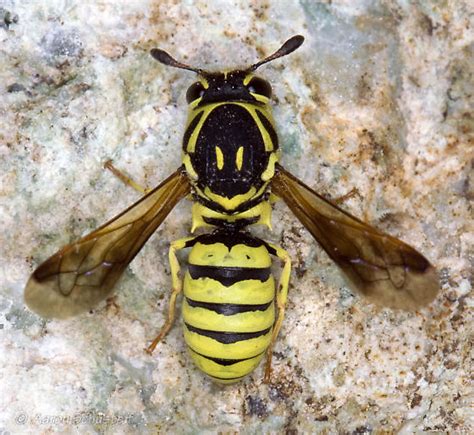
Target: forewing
x=83 y=273
x=384 y=269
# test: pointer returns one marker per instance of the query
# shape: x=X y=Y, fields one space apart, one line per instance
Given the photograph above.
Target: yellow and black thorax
x=230 y=146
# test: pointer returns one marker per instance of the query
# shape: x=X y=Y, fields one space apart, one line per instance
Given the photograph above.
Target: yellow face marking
x=204 y=82
x=260 y=98
x=247 y=79
x=219 y=158
x=239 y=157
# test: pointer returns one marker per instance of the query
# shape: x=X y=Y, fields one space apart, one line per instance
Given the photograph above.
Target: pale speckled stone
x=378 y=98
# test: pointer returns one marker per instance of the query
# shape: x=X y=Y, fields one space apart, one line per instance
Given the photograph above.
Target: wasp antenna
x=166 y=59
x=288 y=47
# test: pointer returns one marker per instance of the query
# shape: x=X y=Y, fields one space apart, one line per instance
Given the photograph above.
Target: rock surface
x=379 y=98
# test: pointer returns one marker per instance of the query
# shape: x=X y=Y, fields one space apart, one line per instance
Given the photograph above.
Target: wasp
x=232 y=307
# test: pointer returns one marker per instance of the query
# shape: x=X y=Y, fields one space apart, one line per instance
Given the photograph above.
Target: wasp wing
x=83 y=273
x=382 y=268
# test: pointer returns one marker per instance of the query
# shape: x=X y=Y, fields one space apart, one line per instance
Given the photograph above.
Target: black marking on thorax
x=229 y=127
x=269 y=127
x=191 y=127
x=247 y=205
x=226 y=225
x=230 y=239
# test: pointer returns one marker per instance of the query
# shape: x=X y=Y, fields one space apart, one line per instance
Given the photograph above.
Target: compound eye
x=195 y=91
x=260 y=86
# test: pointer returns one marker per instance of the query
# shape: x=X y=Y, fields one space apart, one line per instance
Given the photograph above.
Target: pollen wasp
x=232 y=308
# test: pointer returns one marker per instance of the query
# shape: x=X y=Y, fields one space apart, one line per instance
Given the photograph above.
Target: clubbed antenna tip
x=288 y=47
x=166 y=59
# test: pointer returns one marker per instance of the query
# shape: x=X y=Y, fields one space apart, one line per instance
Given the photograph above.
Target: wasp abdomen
x=228 y=310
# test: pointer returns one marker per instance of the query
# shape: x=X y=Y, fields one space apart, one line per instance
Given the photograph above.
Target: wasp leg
x=338 y=200
x=343 y=198
x=176 y=246
x=281 y=298
x=124 y=178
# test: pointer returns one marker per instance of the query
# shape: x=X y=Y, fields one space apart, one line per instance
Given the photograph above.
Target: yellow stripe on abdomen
x=228 y=317
x=210 y=290
x=227 y=345
x=224 y=368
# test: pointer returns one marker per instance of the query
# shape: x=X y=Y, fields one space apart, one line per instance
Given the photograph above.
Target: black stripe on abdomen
x=227 y=309
x=227 y=337
x=225 y=362
x=228 y=276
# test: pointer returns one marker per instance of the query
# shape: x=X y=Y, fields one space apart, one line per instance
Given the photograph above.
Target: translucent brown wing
x=384 y=269
x=83 y=273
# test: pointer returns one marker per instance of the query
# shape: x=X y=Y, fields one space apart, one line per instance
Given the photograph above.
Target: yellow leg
x=177 y=286
x=124 y=178
x=281 y=298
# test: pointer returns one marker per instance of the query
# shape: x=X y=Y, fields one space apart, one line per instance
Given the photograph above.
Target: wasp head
x=238 y=85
